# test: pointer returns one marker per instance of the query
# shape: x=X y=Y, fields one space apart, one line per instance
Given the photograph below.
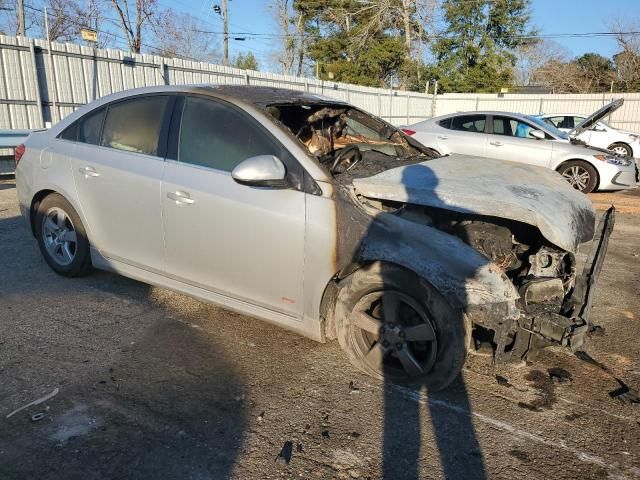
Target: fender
x=461 y=274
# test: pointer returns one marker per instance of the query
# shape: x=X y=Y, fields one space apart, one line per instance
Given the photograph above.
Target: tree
x=181 y=36
x=246 y=62
x=292 y=51
x=476 y=51
x=370 y=43
x=627 y=61
x=589 y=73
x=531 y=57
x=134 y=18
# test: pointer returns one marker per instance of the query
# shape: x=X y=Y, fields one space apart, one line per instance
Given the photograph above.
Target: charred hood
x=480 y=186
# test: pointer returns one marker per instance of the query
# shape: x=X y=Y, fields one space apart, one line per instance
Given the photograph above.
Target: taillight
x=408 y=132
x=19 y=151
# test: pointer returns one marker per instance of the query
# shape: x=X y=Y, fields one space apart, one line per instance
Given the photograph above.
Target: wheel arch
x=47 y=190
x=564 y=162
x=35 y=202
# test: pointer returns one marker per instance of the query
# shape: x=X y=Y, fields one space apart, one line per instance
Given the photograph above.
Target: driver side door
x=235 y=241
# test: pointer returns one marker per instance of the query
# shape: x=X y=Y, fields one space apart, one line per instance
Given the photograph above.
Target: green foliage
x=352 y=43
x=246 y=61
x=476 y=50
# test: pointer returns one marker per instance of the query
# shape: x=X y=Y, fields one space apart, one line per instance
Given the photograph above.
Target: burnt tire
x=581 y=175
x=622 y=149
x=424 y=327
x=62 y=237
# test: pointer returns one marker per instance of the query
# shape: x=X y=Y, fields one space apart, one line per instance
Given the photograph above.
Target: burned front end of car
x=496 y=239
x=554 y=298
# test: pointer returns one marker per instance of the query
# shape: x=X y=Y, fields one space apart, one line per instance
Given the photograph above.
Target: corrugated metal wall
x=31 y=96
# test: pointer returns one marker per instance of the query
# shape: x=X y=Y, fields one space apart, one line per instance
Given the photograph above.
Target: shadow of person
x=444 y=349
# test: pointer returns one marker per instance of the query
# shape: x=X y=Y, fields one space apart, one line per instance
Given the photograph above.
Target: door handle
x=88 y=172
x=181 y=198
x=497 y=144
x=442 y=137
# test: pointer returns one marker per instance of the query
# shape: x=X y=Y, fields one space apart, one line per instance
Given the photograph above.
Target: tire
x=438 y=346
x=621 y=149
x=61 y=237
x=581 y=175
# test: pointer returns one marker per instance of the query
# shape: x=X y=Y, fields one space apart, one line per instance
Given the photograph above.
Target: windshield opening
x=341 y=136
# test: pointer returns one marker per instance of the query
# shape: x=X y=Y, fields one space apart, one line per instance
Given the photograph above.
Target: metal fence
x=40 y=85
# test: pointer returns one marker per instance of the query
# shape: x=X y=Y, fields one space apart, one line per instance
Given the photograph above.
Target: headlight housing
x=621 y=161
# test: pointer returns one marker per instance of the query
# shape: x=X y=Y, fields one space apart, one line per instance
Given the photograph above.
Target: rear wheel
x=580 y=175
x=621 y=149
x=61 y=237
x=396 y=326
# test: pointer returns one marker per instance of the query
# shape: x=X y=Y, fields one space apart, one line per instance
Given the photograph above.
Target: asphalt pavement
x=145 y=383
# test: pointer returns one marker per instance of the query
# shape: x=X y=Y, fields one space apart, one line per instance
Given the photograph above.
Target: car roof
x=482 y=112
x=546 y=115
x=256 y=95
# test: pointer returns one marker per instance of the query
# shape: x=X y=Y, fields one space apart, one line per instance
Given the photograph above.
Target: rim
x=577 y=176
x=59 y=236
x=620 y=150
x=394 y=334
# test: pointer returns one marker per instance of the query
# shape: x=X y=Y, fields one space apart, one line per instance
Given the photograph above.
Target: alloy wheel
x=394 y=334
x=577 y=176
x=620 y=150
x=59 y=236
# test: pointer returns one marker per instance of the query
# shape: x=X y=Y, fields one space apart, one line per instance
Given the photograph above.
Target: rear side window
x=87 y=129
x=469 y=123
x=134 y=125
x=218 y=136
x=446 y=123
x=90 y=126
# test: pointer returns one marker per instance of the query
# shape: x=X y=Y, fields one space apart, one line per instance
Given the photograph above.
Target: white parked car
x=599 y=134
x=531 y=140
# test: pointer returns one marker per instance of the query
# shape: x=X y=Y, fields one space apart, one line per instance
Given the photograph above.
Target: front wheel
x=580 y=175
x=394 y=325
x=621 y=149
x=61 y=237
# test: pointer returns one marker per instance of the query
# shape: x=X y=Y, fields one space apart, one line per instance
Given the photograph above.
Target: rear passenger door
x=466 y=135
x=117 y=167
x=510 y=140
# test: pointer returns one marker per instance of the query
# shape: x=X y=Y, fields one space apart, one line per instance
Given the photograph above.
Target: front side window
x=561 y=121
x=469 y=123
x=134 y=125
x=218 y=136
x=511 y=127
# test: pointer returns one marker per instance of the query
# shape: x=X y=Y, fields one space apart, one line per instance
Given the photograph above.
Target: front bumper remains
x=570 y=327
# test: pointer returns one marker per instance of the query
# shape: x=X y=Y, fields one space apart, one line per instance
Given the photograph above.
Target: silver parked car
x=314 y=215
x=531 y=140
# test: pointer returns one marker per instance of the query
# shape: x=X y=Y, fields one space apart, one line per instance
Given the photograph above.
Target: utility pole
x=21 y=18
x=225 y=20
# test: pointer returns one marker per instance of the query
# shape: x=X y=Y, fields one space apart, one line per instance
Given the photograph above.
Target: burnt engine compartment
x=543 y=274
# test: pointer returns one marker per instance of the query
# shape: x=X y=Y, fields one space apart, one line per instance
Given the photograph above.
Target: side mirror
x=261 y=171
x=537 y=134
